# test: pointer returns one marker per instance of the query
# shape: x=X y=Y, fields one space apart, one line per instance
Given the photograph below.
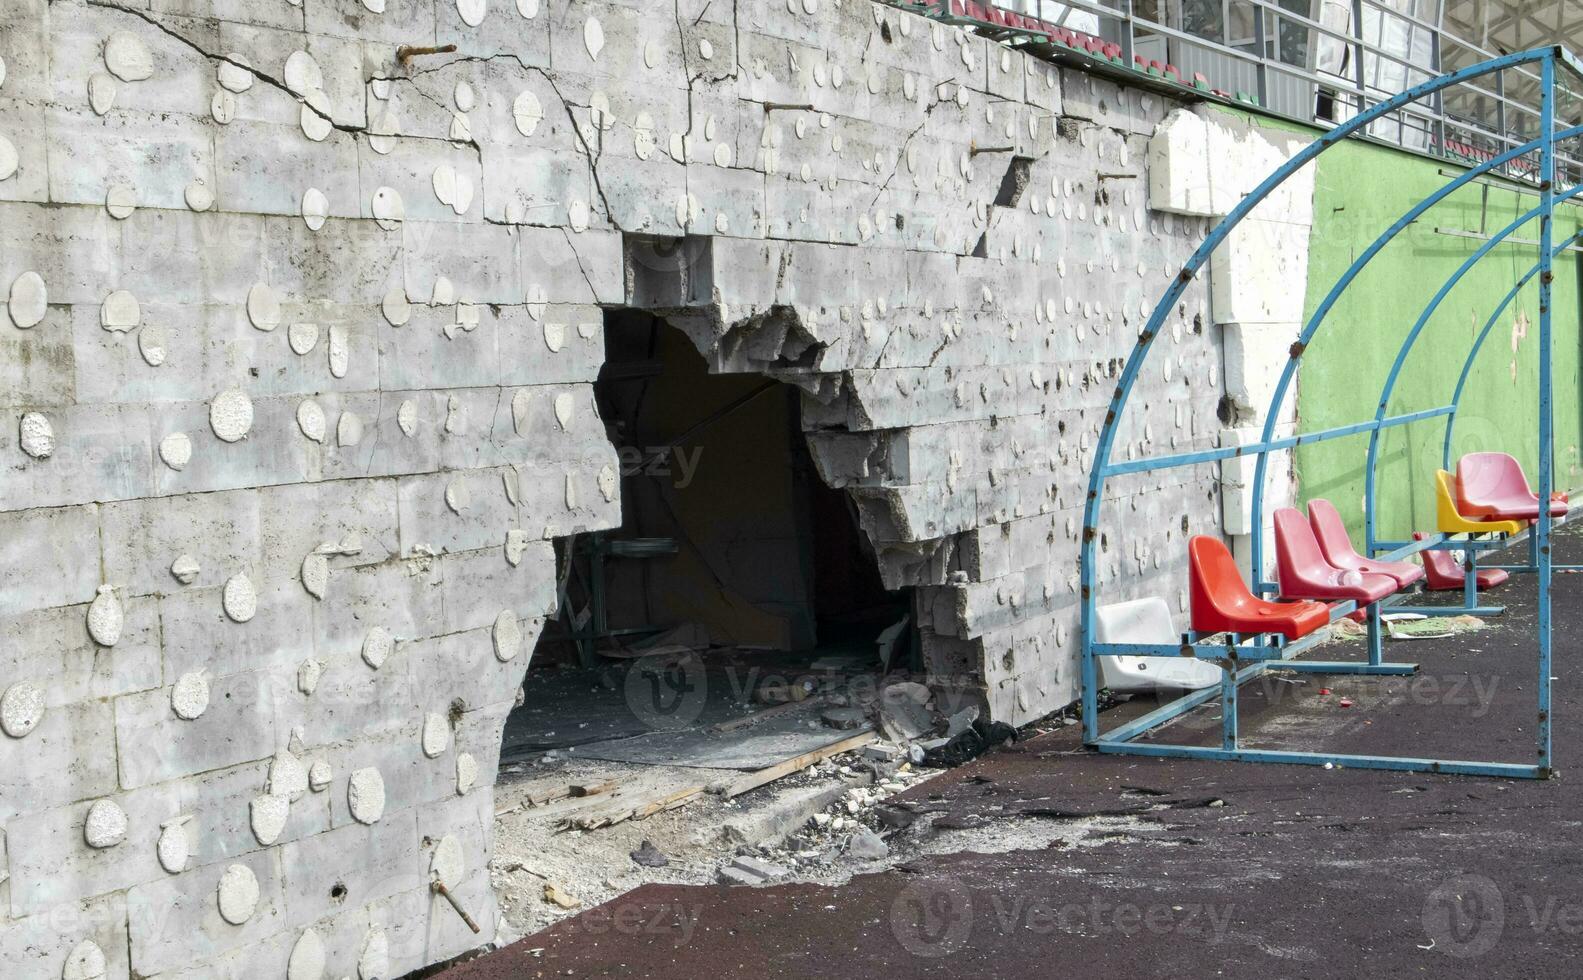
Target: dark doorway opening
x=732 y=555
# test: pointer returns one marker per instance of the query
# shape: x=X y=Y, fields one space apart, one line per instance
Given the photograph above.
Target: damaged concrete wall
x=297 y=352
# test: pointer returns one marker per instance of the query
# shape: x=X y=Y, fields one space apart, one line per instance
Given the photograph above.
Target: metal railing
x=1291 y=63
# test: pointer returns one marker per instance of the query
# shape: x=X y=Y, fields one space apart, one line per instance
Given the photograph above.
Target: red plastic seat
x=1222 y=603
x=1493 y=485
x=1338 y=550
x=1303 y=572
x=1443 y=574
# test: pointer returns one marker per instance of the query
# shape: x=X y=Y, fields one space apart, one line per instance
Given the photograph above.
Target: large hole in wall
x=737 y=579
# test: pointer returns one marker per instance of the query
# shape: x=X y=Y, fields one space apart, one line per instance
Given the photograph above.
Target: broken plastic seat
x=1443 y=574
x=1493 y=485
x=1146 y=620
x=1449 y=520
x=1303 y=573
x=1338 y=550
x=1222 y=603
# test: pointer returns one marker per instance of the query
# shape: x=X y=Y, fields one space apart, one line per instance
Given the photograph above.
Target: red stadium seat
x=1493 y=485
x=1333 y=541
x=1443 y=574
x=1222 y=603
x=1303 y=572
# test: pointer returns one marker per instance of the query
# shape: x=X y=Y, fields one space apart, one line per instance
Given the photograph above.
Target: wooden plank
x=754 y=780
x=766 y=714
x=593 y=789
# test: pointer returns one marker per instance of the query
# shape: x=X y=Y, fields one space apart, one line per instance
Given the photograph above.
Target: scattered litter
x=968 y=745
x=649 y=856
x=555 y=896
x=1433 y=628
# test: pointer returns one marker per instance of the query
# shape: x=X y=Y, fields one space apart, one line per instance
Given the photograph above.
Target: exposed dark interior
x=730 y=545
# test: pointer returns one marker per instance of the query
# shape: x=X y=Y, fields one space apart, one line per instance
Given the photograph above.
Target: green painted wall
x=1360 y=189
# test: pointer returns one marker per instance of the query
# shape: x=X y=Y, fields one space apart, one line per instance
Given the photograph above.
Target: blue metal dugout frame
x=1243 y=657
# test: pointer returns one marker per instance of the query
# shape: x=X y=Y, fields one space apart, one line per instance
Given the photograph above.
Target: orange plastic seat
x=1303 y=572
x=1338 y=550
x=1222 y=602
x=1493 y=485
x=1443 y=574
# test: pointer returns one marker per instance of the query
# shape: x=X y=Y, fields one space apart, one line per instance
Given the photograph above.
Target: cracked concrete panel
x=945 y=245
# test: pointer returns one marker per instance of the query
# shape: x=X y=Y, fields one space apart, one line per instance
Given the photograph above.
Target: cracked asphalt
x=1207 y=869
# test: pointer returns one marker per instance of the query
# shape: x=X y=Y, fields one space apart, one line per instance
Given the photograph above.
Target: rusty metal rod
x=439 y=889
x=407 y=52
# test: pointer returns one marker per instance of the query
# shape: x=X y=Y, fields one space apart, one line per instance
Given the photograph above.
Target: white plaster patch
x=198 y=196
x=577 y=215
x=507 y=635
x=185 y=569
x=8 y=158
x=21 y=709
x=564 y=403
x=86 y=961
x=239 y=599
x=120 y=200
x=173 y=847
x=315 y=208
x=448 y=864
x=607 y=482
x=652 y=53
x=105 y=618
x=307 y=960
x=593 y=37
x=520 y=403
x=457 y=496
x=127 y=57
x=365 y=795
x=308 y=674
x=101 y=92
x=455 y=416
x=529 y=9
x=407 y=417
x=105 y=825
x=463 y=95
x=151 y=344
x=320 y=775
x=223 y=107
x=314 y=124
x=388 y=209
x=189 y=696
x=444 y=292
x=348 y=430
x=472 y=12
x=528 y=112
x=303 y=74
x=377 y=646
x=120 y=312
x=28 y=301
x=516 y=546
x=340 y=351
x=231 y=415
x=238 y=894
x=315 y=574
x=466 y=773
x=436 y=735
x=175 y=450
x=263 y=307
x=373 y=963
x=395 y=307
x=267 y=816
x=37 y=436
x=303 y=337
x=512 y=484
x=554 y=336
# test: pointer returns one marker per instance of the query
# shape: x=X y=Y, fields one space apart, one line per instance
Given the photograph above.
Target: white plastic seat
x=1146 y=620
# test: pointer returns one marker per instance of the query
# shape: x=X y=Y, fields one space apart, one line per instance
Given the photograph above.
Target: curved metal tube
x=1412 y=339
x=1478 y=344
x=1312 y=327
x=1179 y=285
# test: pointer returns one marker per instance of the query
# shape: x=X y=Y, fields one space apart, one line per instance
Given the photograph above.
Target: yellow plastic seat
x=1451 y=521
